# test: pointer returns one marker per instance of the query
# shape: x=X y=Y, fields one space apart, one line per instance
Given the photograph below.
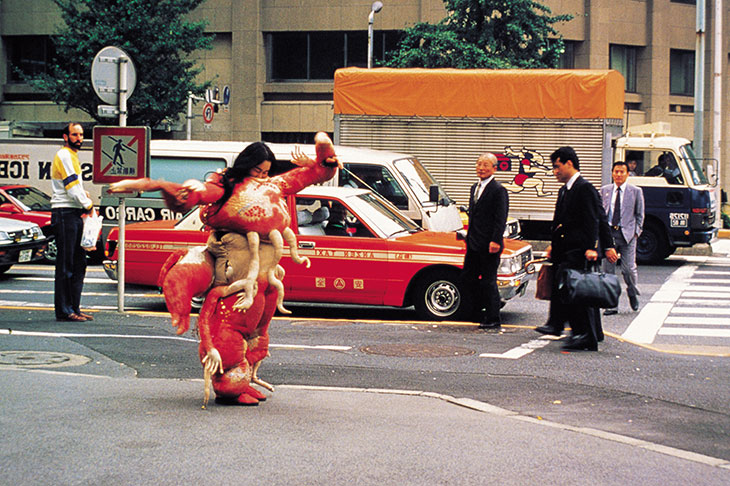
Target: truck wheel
x=441 y=297
x=652 y=246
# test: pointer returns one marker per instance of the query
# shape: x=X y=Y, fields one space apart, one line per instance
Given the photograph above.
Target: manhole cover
x=417 y=350
x=41 y=359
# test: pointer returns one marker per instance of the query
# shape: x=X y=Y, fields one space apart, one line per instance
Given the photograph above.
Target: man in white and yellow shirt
x=68 y=203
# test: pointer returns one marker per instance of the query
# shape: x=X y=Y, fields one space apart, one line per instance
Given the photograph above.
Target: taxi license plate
x=25 y=255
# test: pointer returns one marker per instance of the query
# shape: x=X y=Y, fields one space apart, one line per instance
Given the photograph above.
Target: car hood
x=449 y=242
x=7 y=224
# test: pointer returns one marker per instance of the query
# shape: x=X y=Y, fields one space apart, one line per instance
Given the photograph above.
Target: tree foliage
x=495 y=34
x=154 y=33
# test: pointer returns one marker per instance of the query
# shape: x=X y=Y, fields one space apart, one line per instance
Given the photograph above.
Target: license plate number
x=25 y=256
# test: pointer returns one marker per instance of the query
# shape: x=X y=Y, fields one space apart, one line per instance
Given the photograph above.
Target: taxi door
x=349 y=264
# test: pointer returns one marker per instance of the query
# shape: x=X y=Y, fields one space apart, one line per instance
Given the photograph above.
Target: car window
x=376 y=178
x=328 y=217
x=30 y=198
x=180 y=169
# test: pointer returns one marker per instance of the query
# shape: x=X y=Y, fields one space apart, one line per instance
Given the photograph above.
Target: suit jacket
x=487 y=216
x=632 y=209
x=579 y=223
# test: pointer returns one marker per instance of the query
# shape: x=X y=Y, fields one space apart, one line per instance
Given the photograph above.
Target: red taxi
x=362 y=249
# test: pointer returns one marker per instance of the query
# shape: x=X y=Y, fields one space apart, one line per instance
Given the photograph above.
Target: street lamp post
x=377 y=6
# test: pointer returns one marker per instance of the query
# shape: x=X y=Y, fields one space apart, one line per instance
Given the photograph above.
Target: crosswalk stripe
x=716 y=295
x=694 y=281
x=705 y=321
x=699 y=310
x=688 y=331
x=708 y=302
x=710 y=288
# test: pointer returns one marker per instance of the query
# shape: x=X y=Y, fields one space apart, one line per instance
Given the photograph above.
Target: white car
x=20 y=242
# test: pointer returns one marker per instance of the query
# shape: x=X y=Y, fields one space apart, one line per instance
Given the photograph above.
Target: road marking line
x=714 y=295
x=712 y=272
x=708 y=288
x=51 y=279
x=520 y=351
x=694 y=331
x=644 y=327
x=707 y=321
x=693 y=281
x=10 y=332
x=708 y=302
x=699 y=310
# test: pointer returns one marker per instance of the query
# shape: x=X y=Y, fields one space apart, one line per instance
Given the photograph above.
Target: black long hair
x=249 y=158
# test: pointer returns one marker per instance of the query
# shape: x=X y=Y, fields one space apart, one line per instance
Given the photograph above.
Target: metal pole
x=720 y=53
x=699 y=106
x=189 y=116
x=122 y=210
x=371 y=19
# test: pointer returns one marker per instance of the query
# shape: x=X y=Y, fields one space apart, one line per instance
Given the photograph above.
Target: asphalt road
x=423 y=402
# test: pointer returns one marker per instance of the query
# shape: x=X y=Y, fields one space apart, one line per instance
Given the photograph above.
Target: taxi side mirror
x=433 y=193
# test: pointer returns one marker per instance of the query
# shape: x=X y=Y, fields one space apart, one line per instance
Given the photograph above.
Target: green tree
x=154 y=33
x=495 y=34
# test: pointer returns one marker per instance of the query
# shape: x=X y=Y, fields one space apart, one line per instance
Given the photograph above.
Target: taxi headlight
x=5 y=238
x=37 y=232
x=509 y=266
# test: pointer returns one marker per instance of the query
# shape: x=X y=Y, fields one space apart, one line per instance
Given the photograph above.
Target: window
x=623 y=60
x=308 y=56
x=377 y=179
x=681 y=72
x=29 y=54
x=567 y=58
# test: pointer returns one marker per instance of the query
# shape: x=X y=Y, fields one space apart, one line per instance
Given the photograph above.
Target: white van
x=399 y=178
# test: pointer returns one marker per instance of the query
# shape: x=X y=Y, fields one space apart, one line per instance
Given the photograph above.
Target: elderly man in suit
x=624 y=206
x=579 y=232
x=488 y=207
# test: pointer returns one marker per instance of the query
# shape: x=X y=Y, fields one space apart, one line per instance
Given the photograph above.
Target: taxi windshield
x=694 y=165
x=30 y=198
x=420 y=180
x=380 y=215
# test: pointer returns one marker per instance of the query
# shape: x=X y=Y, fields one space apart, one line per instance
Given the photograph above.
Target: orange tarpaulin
x=480 y=93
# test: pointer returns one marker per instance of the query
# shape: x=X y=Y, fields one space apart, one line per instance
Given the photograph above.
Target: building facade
x=277 y=58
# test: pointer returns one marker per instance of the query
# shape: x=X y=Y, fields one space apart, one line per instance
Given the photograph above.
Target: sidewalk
x=83 y=429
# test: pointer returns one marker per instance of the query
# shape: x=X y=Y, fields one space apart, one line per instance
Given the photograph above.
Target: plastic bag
x=92 y=230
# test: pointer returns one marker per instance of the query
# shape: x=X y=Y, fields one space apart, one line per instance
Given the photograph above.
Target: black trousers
x=485 y=291
x=70 y=260
x=584 y=321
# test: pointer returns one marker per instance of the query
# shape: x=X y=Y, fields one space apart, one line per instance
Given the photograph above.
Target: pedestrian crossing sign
x=120 y=153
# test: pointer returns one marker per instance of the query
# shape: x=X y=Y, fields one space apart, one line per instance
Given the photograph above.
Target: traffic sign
x=105 y=74
x=120 y=153
x=208 y=112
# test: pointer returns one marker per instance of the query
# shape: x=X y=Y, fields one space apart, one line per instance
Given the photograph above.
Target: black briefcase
x=589 y=287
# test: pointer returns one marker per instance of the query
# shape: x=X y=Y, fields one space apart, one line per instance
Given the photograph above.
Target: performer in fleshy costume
x=239 y=268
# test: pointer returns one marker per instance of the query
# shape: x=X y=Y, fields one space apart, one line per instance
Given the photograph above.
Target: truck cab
x=680 y=201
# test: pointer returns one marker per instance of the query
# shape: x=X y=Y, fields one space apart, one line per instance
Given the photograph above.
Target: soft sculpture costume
x=238 y=268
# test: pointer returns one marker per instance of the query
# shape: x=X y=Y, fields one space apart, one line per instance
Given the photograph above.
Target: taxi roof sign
x=120 y=153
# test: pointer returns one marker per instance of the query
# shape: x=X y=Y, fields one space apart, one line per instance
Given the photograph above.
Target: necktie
x=616 y=219
x=480 y=188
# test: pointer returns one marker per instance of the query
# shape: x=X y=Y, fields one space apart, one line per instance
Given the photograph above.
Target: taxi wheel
x=441 y=297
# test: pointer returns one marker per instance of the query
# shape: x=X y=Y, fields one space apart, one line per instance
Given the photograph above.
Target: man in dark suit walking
x=488 y=207
x=579 y=230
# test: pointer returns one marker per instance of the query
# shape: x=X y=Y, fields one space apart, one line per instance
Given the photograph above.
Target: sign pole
x=122 y=200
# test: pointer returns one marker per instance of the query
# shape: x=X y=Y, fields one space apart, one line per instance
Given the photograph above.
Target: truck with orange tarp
x=448 y=117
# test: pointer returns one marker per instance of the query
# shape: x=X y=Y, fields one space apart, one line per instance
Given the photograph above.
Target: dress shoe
x=86 y=316
x=549 y=330
x=72 y=318
x=610 y=312
x=490 y=326
x=634 y=302
x=579 y=343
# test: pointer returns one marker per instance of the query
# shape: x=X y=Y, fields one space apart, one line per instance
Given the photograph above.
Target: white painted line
x=51 y=279
x=644 y=328
x=715 y=295
x=708 y=302
x=693 y=281
x=10 y=332
x=710 y=288
x=694 y=331
x=520 y=351
x=94 y=294
x=699 y=310
x=712 y=272
x=703 y=321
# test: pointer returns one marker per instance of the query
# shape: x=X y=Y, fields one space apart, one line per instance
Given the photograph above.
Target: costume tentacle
x=291 y=240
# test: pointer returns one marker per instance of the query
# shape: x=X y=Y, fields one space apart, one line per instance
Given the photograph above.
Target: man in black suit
x=579 y=232
x=488 y=207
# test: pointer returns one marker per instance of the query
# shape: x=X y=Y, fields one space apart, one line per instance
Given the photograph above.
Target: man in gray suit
x=624 y=206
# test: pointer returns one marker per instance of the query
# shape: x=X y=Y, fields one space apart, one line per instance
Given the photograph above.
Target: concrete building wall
x=239 y=58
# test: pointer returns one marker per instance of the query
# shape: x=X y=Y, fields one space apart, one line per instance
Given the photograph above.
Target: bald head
x=486 y=165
